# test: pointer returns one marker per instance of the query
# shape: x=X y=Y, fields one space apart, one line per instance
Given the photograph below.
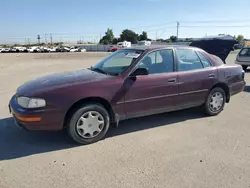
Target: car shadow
x=16 y=142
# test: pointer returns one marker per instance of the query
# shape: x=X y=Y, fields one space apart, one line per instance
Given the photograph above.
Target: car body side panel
x=195 y=85
x=151 y=94
x=232 y=77
x=112 y=93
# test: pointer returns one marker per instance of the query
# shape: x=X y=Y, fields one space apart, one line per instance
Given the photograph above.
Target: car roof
x=155 y=47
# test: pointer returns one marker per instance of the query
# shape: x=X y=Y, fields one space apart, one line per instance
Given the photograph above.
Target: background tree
x=115 y=40
x=240 y=38
x=143 y=36
x=129 y=35
x=108 y=37
x=173 y=38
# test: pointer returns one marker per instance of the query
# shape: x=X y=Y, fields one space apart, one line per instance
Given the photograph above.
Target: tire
x=79 y=134
x=208 y=107
x=244 y=67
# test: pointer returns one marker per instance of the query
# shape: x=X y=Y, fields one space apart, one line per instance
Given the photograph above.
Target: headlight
x=31 y=102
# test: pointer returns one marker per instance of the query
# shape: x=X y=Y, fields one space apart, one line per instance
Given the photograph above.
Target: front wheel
x=88 y=124
x=215 y=101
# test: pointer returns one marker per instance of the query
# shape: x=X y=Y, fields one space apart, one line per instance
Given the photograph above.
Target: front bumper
x=35 y=119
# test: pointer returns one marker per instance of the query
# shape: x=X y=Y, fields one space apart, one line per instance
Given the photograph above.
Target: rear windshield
x=245 y=52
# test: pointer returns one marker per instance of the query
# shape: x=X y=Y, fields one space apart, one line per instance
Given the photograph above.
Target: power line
x=195 y=21
x=232 y=26
x=155 y=25
x=159 y=29
x=215 y=21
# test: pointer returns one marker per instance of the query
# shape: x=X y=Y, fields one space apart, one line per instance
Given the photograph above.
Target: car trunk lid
x=216 y=46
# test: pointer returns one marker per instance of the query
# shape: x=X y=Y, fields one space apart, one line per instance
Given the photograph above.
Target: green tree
x=115 y=40
x=129 y=35
x=108 y=37
x=240 y=38
x=143 y=36
x=173 y=38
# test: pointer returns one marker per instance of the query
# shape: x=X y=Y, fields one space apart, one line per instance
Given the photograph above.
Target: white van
x=124 y=44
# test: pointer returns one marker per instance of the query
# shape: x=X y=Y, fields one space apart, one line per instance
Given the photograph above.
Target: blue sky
x=68 y=20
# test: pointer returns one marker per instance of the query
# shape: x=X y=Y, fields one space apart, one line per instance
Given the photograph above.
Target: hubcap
x=90 y=124
x=216 y=102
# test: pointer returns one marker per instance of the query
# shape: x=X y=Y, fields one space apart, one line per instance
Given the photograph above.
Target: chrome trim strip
x=191 y=92
x=120 y=102
x=150 y=98
x=161 y=96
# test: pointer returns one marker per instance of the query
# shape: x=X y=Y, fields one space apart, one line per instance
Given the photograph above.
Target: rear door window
x=205 y=62
x=188 y=60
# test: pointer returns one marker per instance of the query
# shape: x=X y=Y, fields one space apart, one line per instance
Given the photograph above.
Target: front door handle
x=172 y=80
x=211 y=76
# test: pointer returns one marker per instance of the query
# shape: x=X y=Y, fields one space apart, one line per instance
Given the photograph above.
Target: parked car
x=20 y=49
x=52 y=49
x=132 y=82
x=243 y=57
x=238 y=46
x=62 y=49
x=34 y=49
x=5 y=50
x=113 y=48
x=44 y=49
x=77 y=49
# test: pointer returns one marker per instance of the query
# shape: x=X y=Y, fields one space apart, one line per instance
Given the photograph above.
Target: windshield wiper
x=98 y=70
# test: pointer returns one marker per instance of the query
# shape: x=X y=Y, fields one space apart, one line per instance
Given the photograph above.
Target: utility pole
x=50 y=38
x=45 y=39
x=38 y=38
x=177 y=34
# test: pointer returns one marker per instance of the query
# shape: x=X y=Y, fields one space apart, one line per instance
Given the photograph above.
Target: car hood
x=215 y=46
x=59 y=79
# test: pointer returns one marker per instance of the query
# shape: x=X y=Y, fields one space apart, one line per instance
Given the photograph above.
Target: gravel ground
x=178 y=149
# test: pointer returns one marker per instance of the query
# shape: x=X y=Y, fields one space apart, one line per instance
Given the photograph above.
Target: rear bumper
x=242 y=63
x=35 y=119
x=236 y=88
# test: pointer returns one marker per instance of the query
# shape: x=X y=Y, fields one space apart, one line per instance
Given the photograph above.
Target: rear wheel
x=244 y=67
x=215 y=101
x=88 y=124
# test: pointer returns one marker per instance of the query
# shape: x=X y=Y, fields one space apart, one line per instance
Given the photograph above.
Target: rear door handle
x=172 y=80
x=211 y=75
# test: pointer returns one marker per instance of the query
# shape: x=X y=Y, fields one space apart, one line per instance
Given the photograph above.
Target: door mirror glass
x=140 y=71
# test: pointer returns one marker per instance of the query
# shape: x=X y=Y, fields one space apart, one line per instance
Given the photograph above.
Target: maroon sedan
x=131 y=82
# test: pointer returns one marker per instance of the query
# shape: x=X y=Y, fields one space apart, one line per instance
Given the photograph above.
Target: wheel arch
x=89 y=100
x=225 y=88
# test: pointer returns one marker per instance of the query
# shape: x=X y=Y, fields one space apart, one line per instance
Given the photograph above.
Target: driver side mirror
x=140 y=71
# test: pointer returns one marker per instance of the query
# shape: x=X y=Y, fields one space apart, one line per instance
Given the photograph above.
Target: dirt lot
x=180 y=149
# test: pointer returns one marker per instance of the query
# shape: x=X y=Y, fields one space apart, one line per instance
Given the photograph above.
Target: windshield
x=118 y=62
